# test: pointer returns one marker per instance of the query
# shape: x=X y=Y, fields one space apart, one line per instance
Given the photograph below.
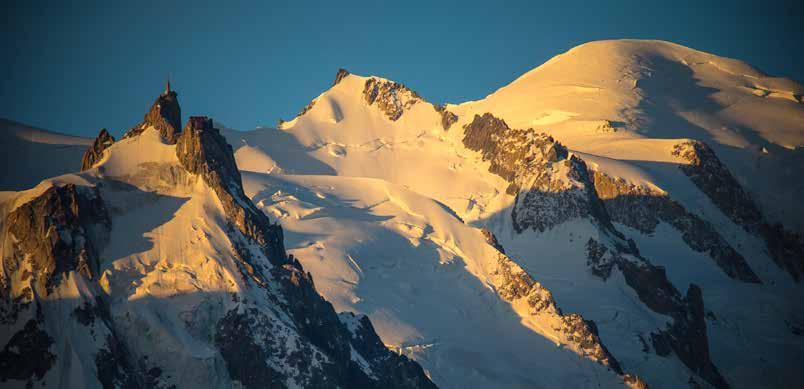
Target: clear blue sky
x=77 y=69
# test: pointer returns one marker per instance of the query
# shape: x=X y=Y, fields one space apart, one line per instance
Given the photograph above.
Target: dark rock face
x=714 y=179
x=642 y=209
x=514 y=283
x=245 y=358
x=392 y=98
x=114 y=368
x=551 y=186
x=202 y=150
x=164 y=115
x=491 y=239
x=56 y=231
x=717 y=182
x=686 y=336
x=27 y=354
x=342 y=73
x=447 y=118
x=392 y=370
x=95 y=152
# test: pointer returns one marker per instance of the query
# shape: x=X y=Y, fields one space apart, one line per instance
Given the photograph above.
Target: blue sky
x=77 y=69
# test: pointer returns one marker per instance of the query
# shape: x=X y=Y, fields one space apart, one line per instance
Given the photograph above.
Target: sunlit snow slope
x=383 y=200
x=650 y=237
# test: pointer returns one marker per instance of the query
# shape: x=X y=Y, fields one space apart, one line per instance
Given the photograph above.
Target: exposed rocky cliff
x=516 y=286
x=716 y=181
x=56 y=233
x=686 y=335
x=551 y=186
x=326 y=361
x=202 y=150
x=164 y=115
x=642 y=208
x=342 y=73
x=447 y=118
x=95 y=151
x=392 y=98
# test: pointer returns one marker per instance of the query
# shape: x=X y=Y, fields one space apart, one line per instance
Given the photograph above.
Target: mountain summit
x=624 y=215
x=151 y=268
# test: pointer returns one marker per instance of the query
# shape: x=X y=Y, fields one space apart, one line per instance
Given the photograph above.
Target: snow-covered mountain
x=151 y=268
x=623 y=215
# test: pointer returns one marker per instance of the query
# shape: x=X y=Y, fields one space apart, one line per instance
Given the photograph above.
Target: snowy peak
x=212 y=290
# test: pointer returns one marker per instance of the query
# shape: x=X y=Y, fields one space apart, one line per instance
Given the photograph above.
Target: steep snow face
x=432 y=285
x=343 y=134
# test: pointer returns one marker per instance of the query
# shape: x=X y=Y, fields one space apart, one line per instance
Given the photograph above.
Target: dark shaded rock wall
x=686 y=335
x=716 y=181
x=642 y=209
x=55 y=231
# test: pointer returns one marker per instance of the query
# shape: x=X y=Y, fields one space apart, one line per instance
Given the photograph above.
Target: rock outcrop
x=57 y=233
x=713 y=178
x=515 y=285
x=164 y=115
x=202 y=150
x=686 y=336
x=551 y=185
x=447 y=118
x=342 y=73
x=95 y=152
x=642 y=208
x=392 y=98
x=389 y=371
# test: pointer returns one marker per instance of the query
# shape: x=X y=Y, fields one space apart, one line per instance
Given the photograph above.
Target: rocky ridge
x=642 y=208
x=164 y=115
x=687 y=335
x=392 y=98
x=716 y=181
x=553 y=186
x=95 y=152
x=279 y=332
x=514 y=284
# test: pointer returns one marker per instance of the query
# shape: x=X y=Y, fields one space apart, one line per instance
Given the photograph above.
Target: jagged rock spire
x=164 y=115
x=95 y=152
